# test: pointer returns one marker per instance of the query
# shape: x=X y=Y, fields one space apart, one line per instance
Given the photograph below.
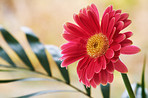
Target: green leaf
x=105 y=90
x=38 y=48
x=25 y=79
x=5 y=56
x=44 y=92
x=88 y=90
x=15 y=45
x=55 y=52
x=143 y=80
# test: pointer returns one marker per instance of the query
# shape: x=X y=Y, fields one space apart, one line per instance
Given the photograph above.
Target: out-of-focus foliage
x=39 y=50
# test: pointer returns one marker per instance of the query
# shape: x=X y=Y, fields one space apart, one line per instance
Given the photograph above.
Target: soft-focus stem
x=72 y=86
x=128 y=85
x=143 y=79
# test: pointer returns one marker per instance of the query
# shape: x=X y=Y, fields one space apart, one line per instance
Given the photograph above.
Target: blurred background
x=46 y=19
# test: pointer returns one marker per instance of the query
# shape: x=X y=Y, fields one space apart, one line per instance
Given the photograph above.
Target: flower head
x=97 y=46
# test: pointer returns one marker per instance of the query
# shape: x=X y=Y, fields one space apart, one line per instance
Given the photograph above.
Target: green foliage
x=25 y=79
x=15 y=45
x=4 y=55
x=44 y=92
x=39 y=50
x=55 y=52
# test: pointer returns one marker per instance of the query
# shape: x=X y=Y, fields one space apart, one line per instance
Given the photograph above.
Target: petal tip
x=125 y=71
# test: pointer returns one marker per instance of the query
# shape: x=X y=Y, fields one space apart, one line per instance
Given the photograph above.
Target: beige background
x=46 y=19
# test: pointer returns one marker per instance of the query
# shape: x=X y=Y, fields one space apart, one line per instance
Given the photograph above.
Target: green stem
x=143 y=79
x=128 y=85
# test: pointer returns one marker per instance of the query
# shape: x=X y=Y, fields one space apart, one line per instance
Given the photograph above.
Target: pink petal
x=103 y=75
x=117 y=17
x=73 y=49
x=93 y=84
x=111 y=26
x=79 y=43
x=126 y=42
x=115 y=47
x=127 y=23
x=98 y=65
x=110 y=68
x=67 y=45
x=90 y=70
x=118 y=11
x=96 y=11
x=83 y=11
x=103 y=62
x=69 y=37
x=110 y=78
x=95 y=16
x=114 y=59
x=111 y=8
x=83 y=77
x=124 y=16
x=110 y=41
x=73 y=29
x=94 y=24
x=80 y=23
x=82 y=67
x=70 y=60
x=112 y=33
x=83 y=63
x=85 y=20
x=105 y=21
x=97 y=79
x=109 y=53
x=119 y=66
x=107 y=61
x=119 y=38
x=72 y=54
x=128 y=34
x=130 y=50
x=79 y=72
x=120 y=25
x=108 y=10
x=117 y=53
x=112 y=14
x=87 y=83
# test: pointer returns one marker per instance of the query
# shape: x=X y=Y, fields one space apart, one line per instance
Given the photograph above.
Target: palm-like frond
x=39 y=50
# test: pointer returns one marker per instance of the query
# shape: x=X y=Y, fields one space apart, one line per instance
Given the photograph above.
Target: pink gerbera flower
x=97 y=47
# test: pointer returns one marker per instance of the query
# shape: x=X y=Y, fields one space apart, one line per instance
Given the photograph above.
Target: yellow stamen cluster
x=97 y=45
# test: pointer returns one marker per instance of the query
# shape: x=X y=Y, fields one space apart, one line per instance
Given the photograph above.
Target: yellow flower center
x=97 y=45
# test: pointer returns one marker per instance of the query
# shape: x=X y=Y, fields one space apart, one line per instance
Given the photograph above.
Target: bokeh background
x=46 y=19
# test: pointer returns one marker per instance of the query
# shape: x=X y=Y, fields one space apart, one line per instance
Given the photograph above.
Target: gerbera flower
x=97 y=47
